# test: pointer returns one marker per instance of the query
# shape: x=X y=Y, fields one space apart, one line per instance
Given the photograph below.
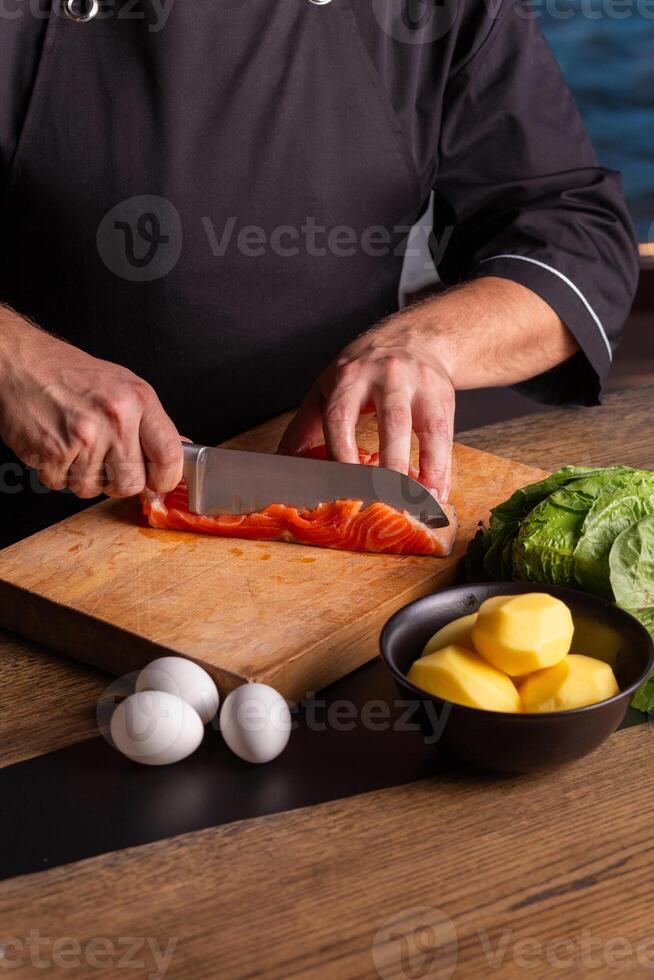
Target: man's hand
x=482 y=334
x=409 y=388
x=81 y=422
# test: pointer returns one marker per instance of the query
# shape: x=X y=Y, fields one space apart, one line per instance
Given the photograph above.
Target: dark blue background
x=609 y=65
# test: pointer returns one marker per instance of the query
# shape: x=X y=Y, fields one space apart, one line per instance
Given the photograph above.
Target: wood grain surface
x=540 y=876
x=108 y=590
x=54 y=697
x=619 y=431
x=46 y=701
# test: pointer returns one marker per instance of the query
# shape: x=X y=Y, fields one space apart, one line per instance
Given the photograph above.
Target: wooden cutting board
x=105 y=588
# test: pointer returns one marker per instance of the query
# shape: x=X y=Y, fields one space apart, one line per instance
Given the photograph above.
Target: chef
x=205 y=206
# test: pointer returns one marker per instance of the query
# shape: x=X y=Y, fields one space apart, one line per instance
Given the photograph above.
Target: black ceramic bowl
x=520 y=742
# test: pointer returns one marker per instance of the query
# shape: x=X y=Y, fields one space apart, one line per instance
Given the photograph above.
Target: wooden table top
x=455 y=875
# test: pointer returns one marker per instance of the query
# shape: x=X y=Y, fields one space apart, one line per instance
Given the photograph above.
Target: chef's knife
x=230 y=481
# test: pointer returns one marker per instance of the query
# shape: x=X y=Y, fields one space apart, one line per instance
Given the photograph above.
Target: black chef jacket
x=217 y=194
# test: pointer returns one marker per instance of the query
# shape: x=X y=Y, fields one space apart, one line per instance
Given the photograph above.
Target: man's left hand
x=387 y=370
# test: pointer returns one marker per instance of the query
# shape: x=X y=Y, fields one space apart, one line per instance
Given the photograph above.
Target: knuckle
x=85 y=430
x=121 y=406
x=53 y=452
x=394 y=367
x=395 y=416
x=448 y=397
x=436 y=426
x=50 y=481
x=125 y=480
x=348 y=372
x=85 y=483
x=129 y=393
x=142 y=391
x=432 y=481
x=427 y=374
x=337 y=414
x=115 y=406
x=168 y=453
x=126 y=489
x=87 y=491
x=396 y=463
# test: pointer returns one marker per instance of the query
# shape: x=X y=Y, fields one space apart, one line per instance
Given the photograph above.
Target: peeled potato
x=540 y=689
x=523 y=633
x=458 y=675
x=458 y=632
x=574 y=682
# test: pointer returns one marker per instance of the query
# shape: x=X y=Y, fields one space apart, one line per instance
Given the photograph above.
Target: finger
x=53 y=463
x=54 y=474
x=125 y=467
x=447 y=486
x=394 y=422
x=433 y=423
x=54 y=478
x=448 y=408
x=305 y=429
x=339 y=420
x=86 y=476
x=162 y=448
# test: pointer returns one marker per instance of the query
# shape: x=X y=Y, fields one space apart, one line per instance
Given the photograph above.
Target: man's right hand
x=82 y=423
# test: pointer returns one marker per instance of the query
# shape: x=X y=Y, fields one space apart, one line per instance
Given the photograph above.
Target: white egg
x=255 y=722
x=156 y=728
x=186 y=679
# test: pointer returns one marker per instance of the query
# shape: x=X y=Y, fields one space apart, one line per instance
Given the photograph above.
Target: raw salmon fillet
x=342 y=524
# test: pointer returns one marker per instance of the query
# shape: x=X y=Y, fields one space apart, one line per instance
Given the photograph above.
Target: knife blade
x=231 y=481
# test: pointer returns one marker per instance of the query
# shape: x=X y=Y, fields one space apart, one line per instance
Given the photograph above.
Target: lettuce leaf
x=507 y=517
x=631 y=566
x=631 y=569
x=611 y=514
x=544 y=548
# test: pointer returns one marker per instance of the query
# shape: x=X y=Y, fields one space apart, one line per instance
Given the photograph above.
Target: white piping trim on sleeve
x=568 y=282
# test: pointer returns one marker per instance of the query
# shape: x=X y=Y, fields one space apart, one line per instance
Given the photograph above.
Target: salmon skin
x=342 y=524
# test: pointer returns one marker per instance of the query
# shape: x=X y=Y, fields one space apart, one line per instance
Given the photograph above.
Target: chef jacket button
x=81 y=11
x=320 y=3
